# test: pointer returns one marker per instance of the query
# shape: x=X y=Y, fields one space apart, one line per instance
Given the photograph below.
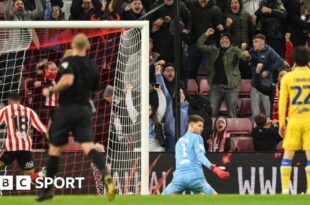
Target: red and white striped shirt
x=18 y=119
x=52 y=100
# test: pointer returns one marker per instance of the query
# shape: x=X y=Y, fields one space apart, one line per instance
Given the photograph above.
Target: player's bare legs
x=307 y=168
x=28 y=172
x=91 y=150
x=286 y=170
x=2 y=165
x=55 y=150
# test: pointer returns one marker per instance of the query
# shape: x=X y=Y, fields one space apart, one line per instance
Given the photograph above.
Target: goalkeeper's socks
x=286 y=169
x=97 y=159
x=307 y=168
x=52 y=167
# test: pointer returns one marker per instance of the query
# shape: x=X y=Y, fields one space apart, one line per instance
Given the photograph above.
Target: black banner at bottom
x=250 y=173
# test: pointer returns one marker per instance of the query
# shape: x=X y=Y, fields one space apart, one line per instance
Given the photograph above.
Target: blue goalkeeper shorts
x=193 y=182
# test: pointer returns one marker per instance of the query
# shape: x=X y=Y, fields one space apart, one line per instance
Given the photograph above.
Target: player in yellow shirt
x=295 y=88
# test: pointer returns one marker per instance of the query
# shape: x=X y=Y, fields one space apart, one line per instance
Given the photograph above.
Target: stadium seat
x=244 y=107
x=223 y=108
x=244 y=144
x=1 y=10
x=279 y=146
x=239 y=126
x=245 y=88
x=192 y=86
x=204 y=87
x=233 y=146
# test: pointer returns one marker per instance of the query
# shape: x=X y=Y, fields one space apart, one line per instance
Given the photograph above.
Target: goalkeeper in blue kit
x=190 y=155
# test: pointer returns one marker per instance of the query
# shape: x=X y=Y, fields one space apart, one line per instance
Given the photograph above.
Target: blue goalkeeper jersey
x=190 y=154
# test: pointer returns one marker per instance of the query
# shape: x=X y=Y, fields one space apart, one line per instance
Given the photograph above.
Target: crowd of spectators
x=223 y=41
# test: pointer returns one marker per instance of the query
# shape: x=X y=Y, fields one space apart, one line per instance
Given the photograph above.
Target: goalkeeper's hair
x=195 y=118
x=80 y=41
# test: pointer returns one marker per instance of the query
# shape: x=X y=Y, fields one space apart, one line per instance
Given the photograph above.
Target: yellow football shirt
x=295 y=88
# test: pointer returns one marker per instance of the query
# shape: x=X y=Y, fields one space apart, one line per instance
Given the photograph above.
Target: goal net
x=28 y=53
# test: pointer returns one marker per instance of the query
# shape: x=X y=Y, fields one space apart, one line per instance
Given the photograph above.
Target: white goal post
x=144 y=73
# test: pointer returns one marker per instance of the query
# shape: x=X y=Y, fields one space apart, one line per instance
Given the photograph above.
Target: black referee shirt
x=86 y=80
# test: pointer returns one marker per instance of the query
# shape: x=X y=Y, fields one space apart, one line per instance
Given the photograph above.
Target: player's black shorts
x=74 y=118
x=24 y=159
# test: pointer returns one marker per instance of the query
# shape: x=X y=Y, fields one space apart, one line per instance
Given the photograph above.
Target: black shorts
x=74 y=118
x=24 y=159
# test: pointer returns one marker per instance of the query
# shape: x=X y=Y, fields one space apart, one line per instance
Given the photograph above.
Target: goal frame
x=144 y=26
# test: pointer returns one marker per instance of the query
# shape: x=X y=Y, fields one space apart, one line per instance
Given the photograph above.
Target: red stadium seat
x=244 y=107
x=279 y=146
x=1 y=11
x=223 y=108
x=192 y=87
x=245 y=88
x=239 y=126
x=233 y=146
x=245 y=144
x=204 y=87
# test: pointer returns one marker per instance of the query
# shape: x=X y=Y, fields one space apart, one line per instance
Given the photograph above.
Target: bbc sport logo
x=24 y=182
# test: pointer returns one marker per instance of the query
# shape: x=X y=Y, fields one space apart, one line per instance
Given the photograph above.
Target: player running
x=18 y=144
x=190 y=155
x=295 y=88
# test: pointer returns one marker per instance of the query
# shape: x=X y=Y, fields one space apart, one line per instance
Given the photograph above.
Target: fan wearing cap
x=219 y=141
x=224 y=75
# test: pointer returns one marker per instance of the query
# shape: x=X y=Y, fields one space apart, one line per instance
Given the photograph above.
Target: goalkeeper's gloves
x=219 y=172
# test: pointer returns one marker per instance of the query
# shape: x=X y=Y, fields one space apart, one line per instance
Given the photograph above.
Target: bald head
x=80 y=42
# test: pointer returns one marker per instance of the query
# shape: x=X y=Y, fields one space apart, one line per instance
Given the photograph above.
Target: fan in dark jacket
x=83 y=9
x=205 y=14
x=238 y=23
x=133 y=11
x=270 y=89
x=241 y=27
x=295 y=25
x=271 y=17
x=161 y=22
x=200 y=105
x=265 y=135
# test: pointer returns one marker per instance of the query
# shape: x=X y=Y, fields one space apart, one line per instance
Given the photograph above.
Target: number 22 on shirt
x=298 y=99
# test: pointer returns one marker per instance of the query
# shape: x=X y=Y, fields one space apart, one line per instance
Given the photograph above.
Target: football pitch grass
x=160 y=200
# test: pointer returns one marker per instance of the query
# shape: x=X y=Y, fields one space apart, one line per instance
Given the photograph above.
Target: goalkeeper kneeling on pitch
x=190 y=155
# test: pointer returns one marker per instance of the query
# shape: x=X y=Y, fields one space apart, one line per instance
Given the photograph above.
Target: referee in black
x=78 y=78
